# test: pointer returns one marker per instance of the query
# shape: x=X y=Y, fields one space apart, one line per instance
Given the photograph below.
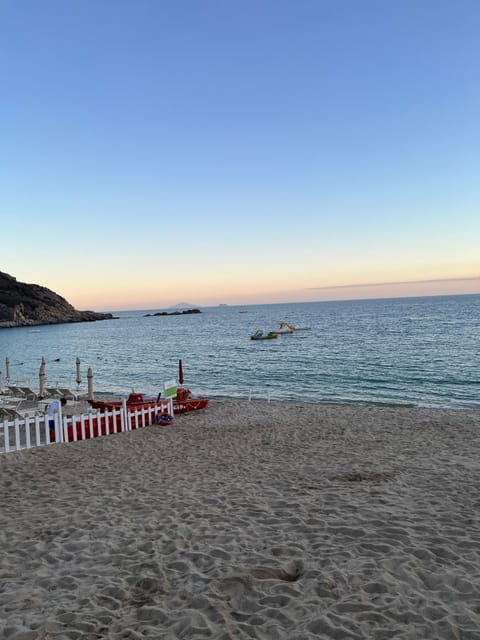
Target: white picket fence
x=34 y=431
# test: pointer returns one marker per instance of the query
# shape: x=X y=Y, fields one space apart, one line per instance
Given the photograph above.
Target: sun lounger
x=60 y=392
x=29 y=393
x=8 y=414
x=27 y=405
x=16 y=391
x=5 y=391
x=52 y=392
x=66 y=393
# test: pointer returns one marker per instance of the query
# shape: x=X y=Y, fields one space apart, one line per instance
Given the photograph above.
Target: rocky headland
x=24 y=305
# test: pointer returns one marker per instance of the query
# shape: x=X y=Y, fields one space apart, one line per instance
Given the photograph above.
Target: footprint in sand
x=235 y=586
x=291 y=573
x=236 y=589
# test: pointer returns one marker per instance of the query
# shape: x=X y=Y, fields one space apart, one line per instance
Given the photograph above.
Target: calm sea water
x=420 y=351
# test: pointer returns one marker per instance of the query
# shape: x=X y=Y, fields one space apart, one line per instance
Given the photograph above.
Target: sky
x=240 y=152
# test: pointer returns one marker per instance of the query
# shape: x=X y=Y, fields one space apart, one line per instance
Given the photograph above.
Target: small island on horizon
x=184 y=305
x=172 y=313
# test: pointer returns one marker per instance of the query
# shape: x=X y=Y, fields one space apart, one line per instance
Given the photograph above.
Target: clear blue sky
x=250 y=151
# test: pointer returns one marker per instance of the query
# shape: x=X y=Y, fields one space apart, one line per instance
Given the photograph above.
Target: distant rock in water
x=172 y=313
x=24 y=305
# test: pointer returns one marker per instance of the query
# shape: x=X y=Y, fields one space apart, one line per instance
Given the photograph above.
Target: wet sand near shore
x=248 y=520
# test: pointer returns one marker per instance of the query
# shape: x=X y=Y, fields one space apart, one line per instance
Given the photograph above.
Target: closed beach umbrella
x=180 y=372
x=7 y=369
x=90 y=383
x=1 y=388
x=79 y=375
x=41 y=381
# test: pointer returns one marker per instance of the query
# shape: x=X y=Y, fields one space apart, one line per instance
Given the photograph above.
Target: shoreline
x=248 y=521
x=257 y=396
x=102 y=395
x=352 y=403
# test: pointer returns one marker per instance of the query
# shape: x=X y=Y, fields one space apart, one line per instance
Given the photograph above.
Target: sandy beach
x=248 y=520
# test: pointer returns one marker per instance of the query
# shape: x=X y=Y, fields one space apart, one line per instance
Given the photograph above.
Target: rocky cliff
x=24 y=304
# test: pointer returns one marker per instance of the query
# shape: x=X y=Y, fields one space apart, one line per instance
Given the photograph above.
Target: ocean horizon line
x=270 y=304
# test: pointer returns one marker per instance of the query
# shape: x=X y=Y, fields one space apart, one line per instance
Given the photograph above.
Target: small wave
x=451 y=406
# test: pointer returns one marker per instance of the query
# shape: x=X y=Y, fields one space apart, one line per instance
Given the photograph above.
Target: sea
x=422 y=351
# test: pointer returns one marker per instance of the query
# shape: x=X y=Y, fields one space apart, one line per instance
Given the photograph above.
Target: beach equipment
x=67 y=393
x=164 y=419
x=288 y=328
x=7 y=369
x=28 y=393
x=261 y=335
x=79 y=374
x=90 y=383
x=285 y=328
x=14 y=390
x=180 y=372
x=41 y=381
x=184 y=402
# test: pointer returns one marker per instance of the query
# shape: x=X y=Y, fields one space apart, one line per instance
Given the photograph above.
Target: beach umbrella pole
x=79 y=373
x=41 y=381
x=90 y=383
